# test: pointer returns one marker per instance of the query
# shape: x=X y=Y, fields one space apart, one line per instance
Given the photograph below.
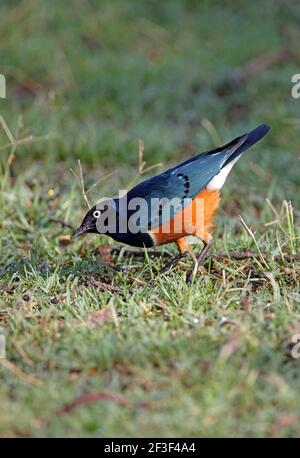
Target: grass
x=93 y=352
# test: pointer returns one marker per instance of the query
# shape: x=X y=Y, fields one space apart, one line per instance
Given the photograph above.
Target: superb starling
x=177 y=203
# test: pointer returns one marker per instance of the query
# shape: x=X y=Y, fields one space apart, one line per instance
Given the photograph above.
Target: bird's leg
x=172 y=262
x=199 y=259
x=183 y=251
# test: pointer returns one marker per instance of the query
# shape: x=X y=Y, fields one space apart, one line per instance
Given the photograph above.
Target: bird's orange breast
x=195 y=219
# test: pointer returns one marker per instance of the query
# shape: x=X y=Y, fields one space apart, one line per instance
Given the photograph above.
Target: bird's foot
x=192 y=274
x=199 y=260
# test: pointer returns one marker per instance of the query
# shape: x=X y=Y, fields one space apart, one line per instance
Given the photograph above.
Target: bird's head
x=97 y=219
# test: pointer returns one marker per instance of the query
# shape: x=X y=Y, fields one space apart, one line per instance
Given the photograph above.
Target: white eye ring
x=96 y=214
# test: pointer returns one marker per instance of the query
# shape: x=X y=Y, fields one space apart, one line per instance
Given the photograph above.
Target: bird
x=171 y=206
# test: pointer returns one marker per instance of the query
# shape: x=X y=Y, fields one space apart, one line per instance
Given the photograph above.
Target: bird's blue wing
x=177 y=186
x=185 y=181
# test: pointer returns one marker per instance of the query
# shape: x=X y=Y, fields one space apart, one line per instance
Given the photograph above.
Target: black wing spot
x=186 y=184
x=182 y=175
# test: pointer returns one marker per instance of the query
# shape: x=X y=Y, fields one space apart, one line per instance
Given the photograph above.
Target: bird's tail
x=245 y=141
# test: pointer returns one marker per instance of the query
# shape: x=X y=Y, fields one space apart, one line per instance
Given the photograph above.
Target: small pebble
x=64 y=240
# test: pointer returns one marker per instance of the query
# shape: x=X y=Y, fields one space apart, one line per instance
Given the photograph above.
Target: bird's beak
x=79 y=231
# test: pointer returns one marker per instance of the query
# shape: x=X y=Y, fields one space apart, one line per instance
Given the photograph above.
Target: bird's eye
x=96 y=214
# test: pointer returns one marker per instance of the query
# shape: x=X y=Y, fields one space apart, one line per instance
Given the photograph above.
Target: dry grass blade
x=80 y=181
x=15 y=141
x=95 y=396
x=62 y=223
x=19 y=373
x=212 y=131
x=142 y=162
x=82 y=184
x=91 y=398
x=7 y=130
x=251 y=234
x=100 y=180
